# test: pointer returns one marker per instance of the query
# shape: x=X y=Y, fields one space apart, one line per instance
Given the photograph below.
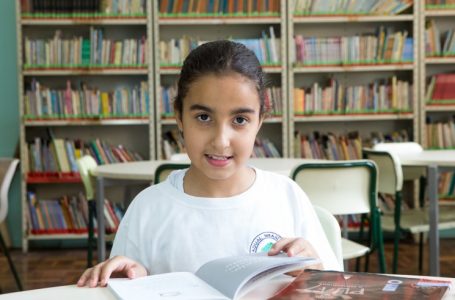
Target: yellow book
x=118 y=53
x=62 y=157
x=105 y=108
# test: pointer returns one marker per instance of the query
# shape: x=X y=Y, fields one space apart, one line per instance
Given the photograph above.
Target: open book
x=254 y=276
x=313 y=284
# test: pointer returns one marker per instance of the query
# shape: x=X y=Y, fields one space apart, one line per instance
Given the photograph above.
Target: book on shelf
x=267 y=49
x=384 y=46
x=440 y=135
x=335 y=7
x=82 y=8
x=314 y=284
x=388 y=95
x=253 y=276
x=61 y=52
x=67 y=214
x=218 y=8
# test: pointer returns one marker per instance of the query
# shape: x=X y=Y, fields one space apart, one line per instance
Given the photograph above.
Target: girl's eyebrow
x=242 y=110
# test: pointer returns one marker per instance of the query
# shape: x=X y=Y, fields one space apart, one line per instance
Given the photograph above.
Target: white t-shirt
x=167 y=230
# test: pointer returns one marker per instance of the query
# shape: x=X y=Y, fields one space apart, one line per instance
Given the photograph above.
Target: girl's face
x=220 y=120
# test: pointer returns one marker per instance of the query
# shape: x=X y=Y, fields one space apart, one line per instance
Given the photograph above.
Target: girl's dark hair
x=220 y=57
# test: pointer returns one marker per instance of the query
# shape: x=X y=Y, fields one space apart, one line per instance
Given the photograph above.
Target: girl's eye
x=203 y=117
x=240 y=120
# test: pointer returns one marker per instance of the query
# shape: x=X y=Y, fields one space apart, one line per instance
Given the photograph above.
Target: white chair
x=8 y=167
x=413 y=220
x=343 y=188
x=179 y=157
x=332 y=231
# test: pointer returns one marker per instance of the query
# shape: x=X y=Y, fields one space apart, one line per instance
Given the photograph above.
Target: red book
x=313 y=284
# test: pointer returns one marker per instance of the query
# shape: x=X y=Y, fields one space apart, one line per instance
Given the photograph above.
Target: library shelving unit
x=185 y=26
x=437 y=83
x=438 y=59
x=50 y=43
x=344 y=51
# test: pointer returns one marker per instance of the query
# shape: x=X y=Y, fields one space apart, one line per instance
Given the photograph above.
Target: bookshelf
x=247 y=24
x=438 y=57
x=437 y=79
x=339 y=63
x=84 y=75
x=164 y=26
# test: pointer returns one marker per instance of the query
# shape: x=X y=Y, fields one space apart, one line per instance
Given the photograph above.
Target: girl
x=219 y=206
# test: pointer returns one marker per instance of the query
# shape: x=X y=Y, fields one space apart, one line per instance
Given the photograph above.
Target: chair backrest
x=341 y=187
x=8 y=167
x=390 y=172
x=332 y=231
x=85 y=165
x=163 y=170
x=403 y=148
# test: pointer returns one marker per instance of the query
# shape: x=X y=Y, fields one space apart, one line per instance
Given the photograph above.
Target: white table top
x=72 y=292
x=442 y=158
x=144 y=170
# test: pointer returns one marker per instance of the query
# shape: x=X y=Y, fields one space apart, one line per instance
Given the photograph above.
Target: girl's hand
x=120 y=266
x=296 y=247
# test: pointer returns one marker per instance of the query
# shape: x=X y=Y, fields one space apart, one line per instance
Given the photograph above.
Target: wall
x=9 y=110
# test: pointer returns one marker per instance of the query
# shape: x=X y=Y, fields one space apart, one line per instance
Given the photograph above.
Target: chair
x=85 y=165
x=8 y=167
x=413 y=220
x=344 y=188
x=332 y=231
x=163 y=170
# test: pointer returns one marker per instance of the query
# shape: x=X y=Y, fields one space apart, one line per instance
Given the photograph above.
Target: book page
x=169 y=286
x=235 y=276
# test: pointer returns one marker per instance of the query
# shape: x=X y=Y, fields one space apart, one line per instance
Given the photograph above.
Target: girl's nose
x=221 y=138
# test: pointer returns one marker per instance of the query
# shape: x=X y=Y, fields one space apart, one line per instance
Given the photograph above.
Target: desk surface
x=442 y=158
x=72 y=292
x=144 y=170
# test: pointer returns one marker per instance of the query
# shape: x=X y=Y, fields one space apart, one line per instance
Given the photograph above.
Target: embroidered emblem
x=263 y=242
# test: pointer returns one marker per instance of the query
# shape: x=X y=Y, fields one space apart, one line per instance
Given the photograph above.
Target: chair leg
x=421 y=253
x=397 y=235
x=11 y=264
x=91 y=232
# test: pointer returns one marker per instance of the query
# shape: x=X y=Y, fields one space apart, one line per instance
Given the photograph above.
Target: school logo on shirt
x=263 y=242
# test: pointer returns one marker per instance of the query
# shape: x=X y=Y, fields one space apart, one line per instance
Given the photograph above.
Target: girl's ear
x=178 y=118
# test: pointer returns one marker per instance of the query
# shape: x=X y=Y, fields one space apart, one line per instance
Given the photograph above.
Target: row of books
x=441 y=135
x=219 y=7
x=41 y=102
x=437 y=44
x=390 y=95
x=78 y=51
x=385 y=46
x=446 y=187
x=439 y=3
x=339 y=147
x=441 y=89
x=267 y=49
x=81 y=8
x=350 y=7
x=60 y=155
x=68 y=214
x=273 y=100
x=264 y=148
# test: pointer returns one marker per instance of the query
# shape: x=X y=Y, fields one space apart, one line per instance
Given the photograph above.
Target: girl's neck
x=195 y=184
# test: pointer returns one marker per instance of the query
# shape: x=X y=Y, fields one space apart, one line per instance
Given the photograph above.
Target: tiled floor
x=46 y=268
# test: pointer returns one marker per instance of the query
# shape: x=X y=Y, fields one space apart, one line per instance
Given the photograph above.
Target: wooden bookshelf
x=306 y=74
x=207 y=26
x=443 y=63
x=106 y=78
